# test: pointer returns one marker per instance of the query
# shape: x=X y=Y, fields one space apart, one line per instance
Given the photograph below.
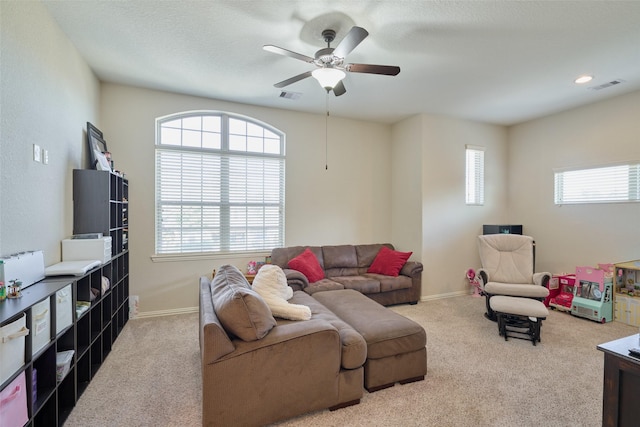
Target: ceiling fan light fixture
x=328 y=77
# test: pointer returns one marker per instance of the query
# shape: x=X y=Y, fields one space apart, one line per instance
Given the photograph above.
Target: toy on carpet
x=271 y=284
x=474 y=281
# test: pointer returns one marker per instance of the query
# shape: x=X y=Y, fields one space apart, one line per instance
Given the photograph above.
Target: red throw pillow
x=307 y=264
x=389 y=262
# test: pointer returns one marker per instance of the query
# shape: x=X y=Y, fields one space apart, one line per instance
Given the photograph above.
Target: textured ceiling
x=500 y=62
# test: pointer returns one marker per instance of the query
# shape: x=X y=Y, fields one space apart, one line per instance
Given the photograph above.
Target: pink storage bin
x=13 y=403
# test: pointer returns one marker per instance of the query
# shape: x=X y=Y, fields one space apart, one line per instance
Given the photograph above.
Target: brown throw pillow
x=241 y=310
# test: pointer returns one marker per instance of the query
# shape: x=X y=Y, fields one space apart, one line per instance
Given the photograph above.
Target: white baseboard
x=443 y=296
x=158 y=313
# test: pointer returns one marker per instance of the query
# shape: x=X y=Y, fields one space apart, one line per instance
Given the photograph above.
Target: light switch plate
x=37 y=154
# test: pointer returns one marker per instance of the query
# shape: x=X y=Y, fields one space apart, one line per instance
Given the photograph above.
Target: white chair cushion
x=518 y=306
x=507 y=258
x=516 y=290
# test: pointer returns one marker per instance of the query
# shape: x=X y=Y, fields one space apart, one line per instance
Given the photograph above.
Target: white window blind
x=600 y=184
x=219 y=184
x=474 y=175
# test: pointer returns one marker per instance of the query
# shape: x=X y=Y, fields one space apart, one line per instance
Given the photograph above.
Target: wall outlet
x=37 y=154
x=45 y=157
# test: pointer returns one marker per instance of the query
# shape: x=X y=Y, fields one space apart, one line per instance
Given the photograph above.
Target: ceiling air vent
x=290 y=95
x=608 y=84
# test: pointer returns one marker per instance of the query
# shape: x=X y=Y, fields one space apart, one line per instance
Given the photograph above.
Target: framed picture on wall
x=97 y=148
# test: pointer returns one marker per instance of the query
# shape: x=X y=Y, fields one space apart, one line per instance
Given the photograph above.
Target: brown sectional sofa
x=345 y=267
x=282 y=368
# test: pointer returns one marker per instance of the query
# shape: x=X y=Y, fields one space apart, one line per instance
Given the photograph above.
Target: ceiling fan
x=330 y=61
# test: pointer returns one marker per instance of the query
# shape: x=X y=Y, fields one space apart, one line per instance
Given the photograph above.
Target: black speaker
x=501 y=229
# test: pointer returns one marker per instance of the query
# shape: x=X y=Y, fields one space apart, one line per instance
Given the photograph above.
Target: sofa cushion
x=241 y=311
x=389 y=262
x=307 y=264
x=354 y=347
x=323 y=285
x=338 y=272
x=342 y=256
x=282 y=256
x=367 y=253
x=386 y=332
x=364 y=284
x=390 y=283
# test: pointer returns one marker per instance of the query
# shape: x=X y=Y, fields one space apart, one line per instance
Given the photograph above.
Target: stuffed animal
x=271 y=284
x=252 y=267
x=473 y=281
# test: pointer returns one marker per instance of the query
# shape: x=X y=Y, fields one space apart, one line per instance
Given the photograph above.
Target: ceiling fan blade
x=293 y=79
x=350 y=41
x=387 y=70
x=339 y=89
x=285 y=52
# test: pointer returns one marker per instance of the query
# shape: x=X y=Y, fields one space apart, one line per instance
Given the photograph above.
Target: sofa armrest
x=293 y=370
x=411 y=268
x=214 y=341
x=296 y=279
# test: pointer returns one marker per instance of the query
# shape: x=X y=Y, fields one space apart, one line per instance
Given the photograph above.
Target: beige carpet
x=474 y=378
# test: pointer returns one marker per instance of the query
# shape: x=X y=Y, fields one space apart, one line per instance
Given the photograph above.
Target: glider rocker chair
x=508 y=262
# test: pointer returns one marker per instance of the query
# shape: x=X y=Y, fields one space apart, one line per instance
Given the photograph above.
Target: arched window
x=219 y=184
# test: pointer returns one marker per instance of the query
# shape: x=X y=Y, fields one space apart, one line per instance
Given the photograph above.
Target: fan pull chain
x=326 y=133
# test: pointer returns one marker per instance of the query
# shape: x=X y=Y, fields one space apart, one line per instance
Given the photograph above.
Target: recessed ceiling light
x=583 y=79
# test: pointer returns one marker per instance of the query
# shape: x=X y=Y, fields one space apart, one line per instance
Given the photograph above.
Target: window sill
x=207 y=256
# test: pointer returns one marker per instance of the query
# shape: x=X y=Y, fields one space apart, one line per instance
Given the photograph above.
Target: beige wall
x=348 y=203
x=573 y=235
x=402 y=183
x=406 y=186
x=448 y=226
x=48 y=95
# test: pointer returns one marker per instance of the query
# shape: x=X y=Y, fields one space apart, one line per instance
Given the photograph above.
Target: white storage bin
x=64 y=309
x=87 y=249
x=12 y=347
x=40 y=325
x=63 y=363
